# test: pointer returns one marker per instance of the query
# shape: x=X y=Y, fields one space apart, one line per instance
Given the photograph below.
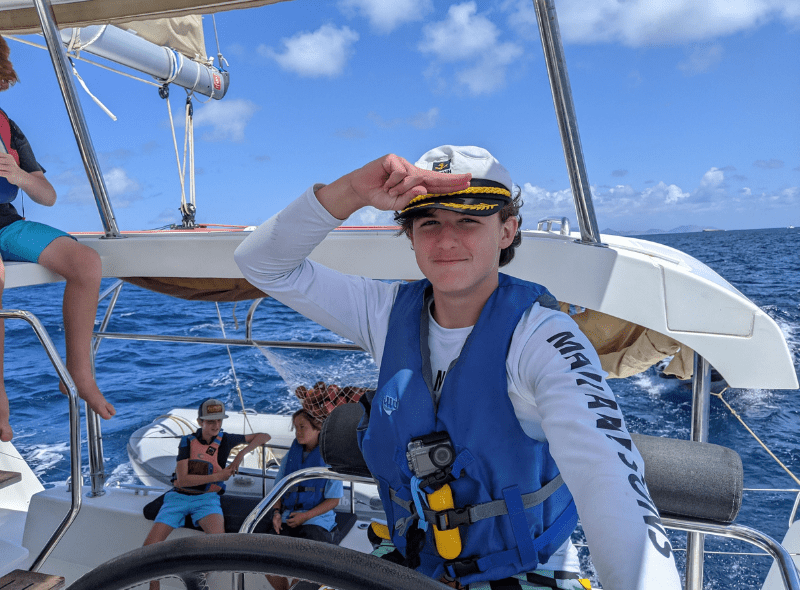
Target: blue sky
x=689 y=111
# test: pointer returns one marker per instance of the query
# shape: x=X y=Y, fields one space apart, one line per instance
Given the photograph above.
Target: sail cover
x=20 y=17
x=184 y=34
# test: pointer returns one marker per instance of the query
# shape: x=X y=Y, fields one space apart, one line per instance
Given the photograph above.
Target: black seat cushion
x=236 y=508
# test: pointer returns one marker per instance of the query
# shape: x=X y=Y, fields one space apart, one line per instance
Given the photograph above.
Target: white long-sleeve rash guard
x=556 y=387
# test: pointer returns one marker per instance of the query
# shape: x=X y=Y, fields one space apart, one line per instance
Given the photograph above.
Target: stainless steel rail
x=229 y=341
x=546 y=224
x=74 y=430
x=701 y=404
x=567 y=121
x=94 y=433
x=76 y=117
x=789 y=573
x=281 y=487
x=248 y=330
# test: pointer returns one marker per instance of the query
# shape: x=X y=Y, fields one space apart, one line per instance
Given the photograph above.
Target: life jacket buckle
x=437 y=479
x=447 y=520
x=462 y=567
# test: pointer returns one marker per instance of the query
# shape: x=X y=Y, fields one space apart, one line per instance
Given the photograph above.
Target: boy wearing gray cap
x=200 y=473
x=492 y=426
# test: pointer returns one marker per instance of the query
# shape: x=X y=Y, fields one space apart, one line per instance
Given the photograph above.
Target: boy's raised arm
x=388 y=184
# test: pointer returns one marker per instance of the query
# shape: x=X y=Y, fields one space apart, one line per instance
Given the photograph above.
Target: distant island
x=683 y=229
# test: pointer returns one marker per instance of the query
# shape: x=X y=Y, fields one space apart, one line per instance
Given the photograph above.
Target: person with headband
x=492 y=427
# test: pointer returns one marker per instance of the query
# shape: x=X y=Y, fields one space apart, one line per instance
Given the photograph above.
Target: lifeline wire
x=766 y=448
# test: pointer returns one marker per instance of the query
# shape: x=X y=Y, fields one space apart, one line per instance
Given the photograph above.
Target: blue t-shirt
x=333 y=489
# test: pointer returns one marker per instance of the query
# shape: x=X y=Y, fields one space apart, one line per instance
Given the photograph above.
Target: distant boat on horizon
x=713 y=229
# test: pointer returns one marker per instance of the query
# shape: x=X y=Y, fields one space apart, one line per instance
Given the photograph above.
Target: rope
x=270 y=457
x=190 y=136
x=233 y=368
x=177 y=153
x=89 y=92
x=755 y=436
x=221 y=59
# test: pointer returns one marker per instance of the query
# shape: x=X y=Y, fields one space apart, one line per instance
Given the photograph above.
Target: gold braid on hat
x=467 y=191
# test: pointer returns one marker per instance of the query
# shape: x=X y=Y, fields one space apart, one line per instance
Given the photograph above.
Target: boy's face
x=460 y=254
x=210 y=428
x=305 y=434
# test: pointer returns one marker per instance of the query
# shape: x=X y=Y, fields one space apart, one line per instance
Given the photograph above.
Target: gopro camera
x=430 y=453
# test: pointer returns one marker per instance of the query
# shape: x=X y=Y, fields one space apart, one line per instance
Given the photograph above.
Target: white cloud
x=701 y=59
x=466 y=36
x=370 y=216
x=73 y=187
x=122 y=189
x=322 y=53
x=227 y=120
x=664 y=193
x=386 y=15
x=651 y=22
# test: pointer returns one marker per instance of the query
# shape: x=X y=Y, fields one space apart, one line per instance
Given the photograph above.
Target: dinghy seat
x=686 y=479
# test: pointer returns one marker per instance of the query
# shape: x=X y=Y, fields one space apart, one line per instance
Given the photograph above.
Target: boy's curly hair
x=512 y=209
x=7 y=72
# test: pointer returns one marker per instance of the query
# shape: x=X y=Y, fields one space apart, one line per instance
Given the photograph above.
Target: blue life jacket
x=8 y=191
x=310 y=493
x=508 y=492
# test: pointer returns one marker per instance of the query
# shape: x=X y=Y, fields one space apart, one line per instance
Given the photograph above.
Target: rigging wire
x=88 y=61
x=220 y=59
x=233 y=368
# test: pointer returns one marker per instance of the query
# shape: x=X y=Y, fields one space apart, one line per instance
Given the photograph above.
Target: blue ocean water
x=147 y=379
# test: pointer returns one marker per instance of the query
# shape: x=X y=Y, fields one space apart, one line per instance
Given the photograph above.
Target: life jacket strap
x=449 y=519
x=560 y=529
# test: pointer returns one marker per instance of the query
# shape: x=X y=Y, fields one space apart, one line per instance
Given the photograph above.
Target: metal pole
x=74 y=431
x=250 y=313
x=567 y=121
x=94 y=431
x=229 y=341
x=59 y=58
x=701 y=403
x=94 y=435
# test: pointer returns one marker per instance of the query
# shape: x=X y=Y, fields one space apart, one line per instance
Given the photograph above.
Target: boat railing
x=546 y=224
x=74 y=429
x=267 y=504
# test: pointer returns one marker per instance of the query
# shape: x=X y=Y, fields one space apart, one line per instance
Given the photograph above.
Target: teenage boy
x=486 y=393
x=200 y=474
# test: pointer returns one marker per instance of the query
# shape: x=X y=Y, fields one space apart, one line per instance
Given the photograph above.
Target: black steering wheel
x=188 y=558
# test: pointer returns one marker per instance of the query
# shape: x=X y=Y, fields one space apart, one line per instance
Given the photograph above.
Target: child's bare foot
x=6 y=434
x=91 y=394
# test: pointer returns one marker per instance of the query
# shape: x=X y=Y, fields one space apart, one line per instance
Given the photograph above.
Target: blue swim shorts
x=24 y=241
x=177 y=507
